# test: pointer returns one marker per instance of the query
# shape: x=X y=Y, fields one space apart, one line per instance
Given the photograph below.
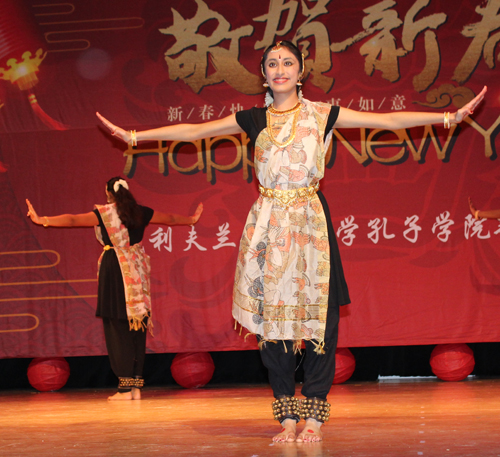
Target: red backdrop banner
x=420 y=269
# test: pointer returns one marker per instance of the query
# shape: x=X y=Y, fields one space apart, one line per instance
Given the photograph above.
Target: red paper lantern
x=344 y=365
x=192 y=369
x=48 y=373
x=452 y=362
x=21 y=54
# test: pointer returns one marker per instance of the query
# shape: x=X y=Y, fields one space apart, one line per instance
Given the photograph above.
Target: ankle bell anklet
x=315 y=408
x=130 y=382
x=286 y=408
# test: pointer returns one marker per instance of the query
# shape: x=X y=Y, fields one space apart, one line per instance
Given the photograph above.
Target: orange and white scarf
x=134 y=264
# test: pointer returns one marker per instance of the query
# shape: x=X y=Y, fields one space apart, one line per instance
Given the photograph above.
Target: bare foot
x=136 y=393
x=311 y=432
x=288 y=432
x=121 y=396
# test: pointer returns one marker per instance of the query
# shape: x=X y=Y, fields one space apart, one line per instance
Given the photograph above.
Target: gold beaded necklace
x=272 y=111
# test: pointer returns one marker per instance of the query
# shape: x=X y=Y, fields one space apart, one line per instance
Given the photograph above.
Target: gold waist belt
x=107 y=247
x=287 y=198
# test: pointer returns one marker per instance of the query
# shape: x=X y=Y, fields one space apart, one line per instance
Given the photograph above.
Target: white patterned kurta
x=283 y=269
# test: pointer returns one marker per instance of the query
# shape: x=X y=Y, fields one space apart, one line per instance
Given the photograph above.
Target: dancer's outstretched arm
x=177 y=132
x=480 y=214
x=63 y=220
x=177 y=219
x=349 y=118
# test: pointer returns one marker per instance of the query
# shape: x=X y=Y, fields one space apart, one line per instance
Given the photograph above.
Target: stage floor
x=388 y=418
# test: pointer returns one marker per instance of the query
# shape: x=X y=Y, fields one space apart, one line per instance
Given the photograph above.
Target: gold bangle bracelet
x=133 y=137
x=446 y=120
x=46 y=221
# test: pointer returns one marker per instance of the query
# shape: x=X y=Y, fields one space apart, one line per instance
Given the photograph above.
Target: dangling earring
x=300 y=95
x=269 y=99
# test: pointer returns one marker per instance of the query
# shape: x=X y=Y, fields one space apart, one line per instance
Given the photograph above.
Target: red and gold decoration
x=420 y=269
x=21 y=55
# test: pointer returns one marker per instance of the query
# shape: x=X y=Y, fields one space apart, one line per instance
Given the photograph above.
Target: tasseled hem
x=297 y=346
x=137 y=323
x=319 y=345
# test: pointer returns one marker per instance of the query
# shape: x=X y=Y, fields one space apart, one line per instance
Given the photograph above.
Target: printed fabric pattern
x=283 y=268
x=135 y=267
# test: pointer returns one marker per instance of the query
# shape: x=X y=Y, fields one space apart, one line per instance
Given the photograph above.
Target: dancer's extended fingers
x=112 y=127
x=477 y=100
x=116 y=131
x=472 y=207
x=30 y=207
x=31 y=212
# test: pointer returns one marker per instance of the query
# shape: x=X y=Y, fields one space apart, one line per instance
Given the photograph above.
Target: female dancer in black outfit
x=123 y=299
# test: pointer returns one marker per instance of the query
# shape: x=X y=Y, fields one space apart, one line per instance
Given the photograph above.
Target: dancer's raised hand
x=197 y=213
x=32 y=214
x=124 y=135
x=469 y=108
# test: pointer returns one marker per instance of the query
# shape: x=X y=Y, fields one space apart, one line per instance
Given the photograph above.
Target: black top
x=111 y=291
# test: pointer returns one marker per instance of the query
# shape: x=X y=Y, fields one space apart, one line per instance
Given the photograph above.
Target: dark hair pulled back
x=129 y=211
x=292 y=48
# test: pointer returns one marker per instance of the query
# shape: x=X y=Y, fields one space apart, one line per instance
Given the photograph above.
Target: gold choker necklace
x=274 y=112
x=271 y=109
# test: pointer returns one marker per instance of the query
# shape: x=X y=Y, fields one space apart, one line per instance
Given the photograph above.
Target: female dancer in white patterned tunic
x=289 y=281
